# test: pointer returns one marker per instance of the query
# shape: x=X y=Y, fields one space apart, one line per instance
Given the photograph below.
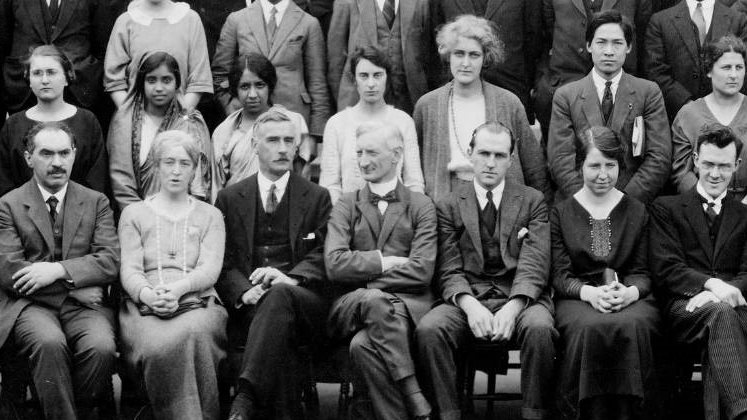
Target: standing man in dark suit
x=380 y=252
x=402 y=30
x=494 y=262
x=80 y=28
x=699 y=260
x=608 y=96
x=272 y=271
x=58 y=251
x=519 y=21
x=569 y=60
x=674 y=48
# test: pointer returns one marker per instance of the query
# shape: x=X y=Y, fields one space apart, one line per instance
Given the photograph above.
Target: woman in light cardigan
x=172 y=325
x=445 y=118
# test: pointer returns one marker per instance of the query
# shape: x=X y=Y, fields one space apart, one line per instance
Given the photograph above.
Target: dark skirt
x=605 y=354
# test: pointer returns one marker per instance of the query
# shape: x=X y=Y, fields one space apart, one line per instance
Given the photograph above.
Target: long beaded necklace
x=172 y=247
x=453 y=122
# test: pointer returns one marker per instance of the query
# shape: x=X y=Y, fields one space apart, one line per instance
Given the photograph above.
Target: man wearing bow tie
x=380 y=252
x=699 y=260
x=273 y=271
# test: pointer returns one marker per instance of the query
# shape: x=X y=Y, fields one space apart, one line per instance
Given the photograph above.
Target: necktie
x=607 y=101
x=272 y=25
x=389 y=197
x=52 y=202
x=710 y=213
x=388 y=12
x=699 y=21
x=54 y=6
x=489 y=213
x=272 y=202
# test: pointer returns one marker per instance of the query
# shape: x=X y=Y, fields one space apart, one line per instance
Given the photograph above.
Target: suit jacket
x=81 y=32
x=90 y=248
x=682 y=256
x=297 y=53
x=519 y=26
x=356 y=241
x=576 y=108
x=567 y=21
x=527 y=259
x=673 y=56
x=354 y=24
x=309 y=210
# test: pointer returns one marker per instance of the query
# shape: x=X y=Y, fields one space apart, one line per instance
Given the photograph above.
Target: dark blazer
x=351 y=250
x=298 y=54
x=519 y=26
x=673 y=56
x=576 y=108
x=354 y=25
x=682 y=256
x=81 y=32
x=309 y=209
x=527 y=259
x=90 y=248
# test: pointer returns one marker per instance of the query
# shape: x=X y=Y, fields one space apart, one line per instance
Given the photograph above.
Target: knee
x=278 y=296
x=359 y=348
x=97 y=346
x=375 y=305
x=722 y=312
x=430 y=333
x=49 y=346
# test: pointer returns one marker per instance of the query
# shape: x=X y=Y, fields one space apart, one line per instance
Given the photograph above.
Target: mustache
x=56 y=171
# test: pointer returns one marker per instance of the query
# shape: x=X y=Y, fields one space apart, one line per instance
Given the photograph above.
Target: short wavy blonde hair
x=472 y=27
x=176 y=138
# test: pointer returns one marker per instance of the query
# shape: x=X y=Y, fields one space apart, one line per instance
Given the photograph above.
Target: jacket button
x=580 y=50
x=695 y=75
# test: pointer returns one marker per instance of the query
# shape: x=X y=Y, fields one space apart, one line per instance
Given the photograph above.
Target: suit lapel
x=292 y=17
x=590 y=103
x=36 y=15
x=66 y=13
x=683 y=24
x=248 y=208
x=470 y=218
x=406 y=13
x=609 y=4
x=493 y=6
x=728 y=223
x=697 y=219
x=623 y=103
x=298 y=206
x=38 y=213
x=256 y=21
x=509 y=211
x=393 y=212
x=71 y=216
x=367 y=10
x=720 y=21
x=580 y=6
x=369 y=211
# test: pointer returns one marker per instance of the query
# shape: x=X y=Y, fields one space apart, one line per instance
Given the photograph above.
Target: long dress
x=90 y=167
x=177 y=359
x=602 y=355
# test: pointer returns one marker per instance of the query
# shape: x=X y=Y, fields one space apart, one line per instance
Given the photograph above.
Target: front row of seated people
x=300 y=275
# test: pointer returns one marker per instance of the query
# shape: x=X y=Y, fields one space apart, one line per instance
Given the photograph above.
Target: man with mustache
x=58 y=252
x=608 y=96
x=699 y=262
x=273 y=271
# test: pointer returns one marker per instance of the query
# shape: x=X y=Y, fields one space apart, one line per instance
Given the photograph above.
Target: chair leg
x=343 y=402
x=491 y=391
x=469 y=387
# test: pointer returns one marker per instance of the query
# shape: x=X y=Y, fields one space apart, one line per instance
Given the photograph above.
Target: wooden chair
x=492 y=359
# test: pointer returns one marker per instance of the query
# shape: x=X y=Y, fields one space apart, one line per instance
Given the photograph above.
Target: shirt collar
x=280 y=185
x=599 y=81
x=708 y=6
x=482 y=193
x=381 y=188
x=281 y=7
x=60 y=195
x=699 y=188
x=179 y=10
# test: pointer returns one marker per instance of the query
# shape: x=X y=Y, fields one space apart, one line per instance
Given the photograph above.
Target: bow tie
x=389 y=197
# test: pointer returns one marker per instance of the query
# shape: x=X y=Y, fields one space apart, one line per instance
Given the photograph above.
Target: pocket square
x=522 y=233
x=309 y=237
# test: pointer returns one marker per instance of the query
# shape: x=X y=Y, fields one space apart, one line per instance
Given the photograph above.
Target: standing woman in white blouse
x=369 y=68
x=446 y=117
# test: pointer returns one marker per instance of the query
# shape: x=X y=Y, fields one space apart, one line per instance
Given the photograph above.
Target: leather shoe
x=242 y=407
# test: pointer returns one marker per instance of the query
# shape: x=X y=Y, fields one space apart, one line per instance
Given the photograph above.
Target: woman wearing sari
x=154 y=108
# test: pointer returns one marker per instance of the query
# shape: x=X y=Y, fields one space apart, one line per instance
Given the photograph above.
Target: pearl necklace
x=453 y=121
x=172 y=249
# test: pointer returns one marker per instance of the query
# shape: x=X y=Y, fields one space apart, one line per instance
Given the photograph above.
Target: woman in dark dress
x=605 y=312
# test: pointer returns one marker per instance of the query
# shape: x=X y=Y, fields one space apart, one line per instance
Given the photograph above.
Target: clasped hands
x=716 y=290
x=262 y=279
x=162 y=299
x=609 y=298
x=486 y=325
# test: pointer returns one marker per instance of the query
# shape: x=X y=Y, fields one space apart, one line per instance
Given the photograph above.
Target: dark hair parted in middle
x=154 y=61
x=374 y=55
x=714 y=50
x=609 y=16
x=719 y=136
x=54 y=52
x=257 y=64
x=604 y=139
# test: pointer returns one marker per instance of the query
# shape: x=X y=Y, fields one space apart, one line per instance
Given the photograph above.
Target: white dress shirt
x=59 y=195
x=716 y=201
x=59 y=2
x=264 y=187
x=380 y=3
x=381 y=189
x=482 y=194
x=281 y=7
x=707 y=10
x=600 y=82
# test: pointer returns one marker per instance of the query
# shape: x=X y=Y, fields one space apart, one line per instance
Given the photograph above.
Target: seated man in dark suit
x=272 y=270
x=380 y=252
x=699 y=260
x=608 y=96
x=58 y=250
x=494 y=262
